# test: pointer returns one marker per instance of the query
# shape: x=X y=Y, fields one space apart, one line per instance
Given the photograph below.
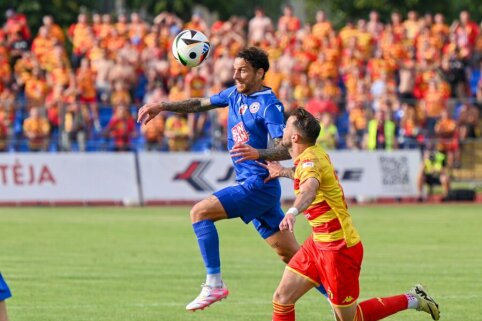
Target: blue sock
x=208 y=240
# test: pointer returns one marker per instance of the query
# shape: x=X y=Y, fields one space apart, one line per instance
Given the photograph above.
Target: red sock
x=283 y=312
x=379 y=308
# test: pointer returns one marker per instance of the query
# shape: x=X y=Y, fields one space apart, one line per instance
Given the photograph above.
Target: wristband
x=293 y=211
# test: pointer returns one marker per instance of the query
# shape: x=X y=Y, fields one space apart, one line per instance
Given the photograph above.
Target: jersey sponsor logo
x=242 y=109
x=254 y=107
x=239 y=133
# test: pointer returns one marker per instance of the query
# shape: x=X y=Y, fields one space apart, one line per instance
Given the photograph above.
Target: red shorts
x=337 y=270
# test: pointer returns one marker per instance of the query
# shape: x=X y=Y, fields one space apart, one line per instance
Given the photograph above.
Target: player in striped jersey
x=333 y=254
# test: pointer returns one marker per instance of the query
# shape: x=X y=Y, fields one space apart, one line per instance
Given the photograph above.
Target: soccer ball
x=190 y=47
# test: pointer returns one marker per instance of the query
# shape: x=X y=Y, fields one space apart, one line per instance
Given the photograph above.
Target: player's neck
x=255 y=88
x=297 y=149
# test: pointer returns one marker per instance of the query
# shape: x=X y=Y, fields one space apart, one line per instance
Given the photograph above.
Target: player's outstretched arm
x=193 y=105
x=246 y=152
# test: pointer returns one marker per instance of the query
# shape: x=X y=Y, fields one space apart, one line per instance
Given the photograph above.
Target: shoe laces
x=206 y=290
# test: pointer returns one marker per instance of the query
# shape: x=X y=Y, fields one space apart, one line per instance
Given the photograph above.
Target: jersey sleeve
x=222 y=99
x=310 y=168
x=274 y=119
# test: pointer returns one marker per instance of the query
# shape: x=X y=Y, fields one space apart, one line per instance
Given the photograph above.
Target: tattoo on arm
x=276 y=153
x=192 y=105
x=287 y=172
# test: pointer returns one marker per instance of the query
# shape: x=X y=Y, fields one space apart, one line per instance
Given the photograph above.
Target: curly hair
x=256 y=58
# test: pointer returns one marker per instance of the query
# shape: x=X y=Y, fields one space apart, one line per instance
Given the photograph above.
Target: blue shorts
x=254 y=201
x=4 y=290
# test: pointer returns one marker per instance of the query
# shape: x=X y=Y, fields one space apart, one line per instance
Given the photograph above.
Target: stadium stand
x=410 y=71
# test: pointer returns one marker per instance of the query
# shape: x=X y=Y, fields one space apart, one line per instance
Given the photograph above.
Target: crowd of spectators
x=374 y=85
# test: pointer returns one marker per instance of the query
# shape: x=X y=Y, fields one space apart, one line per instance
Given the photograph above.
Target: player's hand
x=244 y=151
x=274 y=169
x=148 y=112
x=288 y=223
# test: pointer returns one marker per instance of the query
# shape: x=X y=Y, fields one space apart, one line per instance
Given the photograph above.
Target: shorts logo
x=348 y=299
x=239 y=133
x=254 y=107
x=242 y=109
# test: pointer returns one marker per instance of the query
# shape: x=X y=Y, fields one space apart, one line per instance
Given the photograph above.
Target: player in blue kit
x=4 y=294
x=256 y=118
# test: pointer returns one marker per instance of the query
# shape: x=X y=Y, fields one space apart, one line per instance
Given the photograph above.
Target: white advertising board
x=68 y=177
x=377 y=174
x=193 y=176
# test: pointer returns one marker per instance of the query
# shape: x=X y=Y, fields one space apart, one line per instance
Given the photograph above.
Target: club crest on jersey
x=242 y=109
x=254 y=107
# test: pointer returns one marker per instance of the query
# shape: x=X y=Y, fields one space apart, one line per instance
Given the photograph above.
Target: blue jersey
x=252 y=119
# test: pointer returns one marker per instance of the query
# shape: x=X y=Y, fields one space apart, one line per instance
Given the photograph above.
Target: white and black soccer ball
x=191 y=47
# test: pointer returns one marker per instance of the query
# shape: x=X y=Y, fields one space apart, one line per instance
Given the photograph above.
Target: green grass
x=79 y=264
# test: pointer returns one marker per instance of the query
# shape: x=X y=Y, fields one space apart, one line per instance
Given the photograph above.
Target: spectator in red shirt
x=289 y=20
x=121 y=129
x=467 y=28
x=320 y=104
x=16 y=22
x=3 y=133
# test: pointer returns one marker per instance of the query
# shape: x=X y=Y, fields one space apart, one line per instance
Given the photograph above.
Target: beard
x=286 y=143
x=242 y=87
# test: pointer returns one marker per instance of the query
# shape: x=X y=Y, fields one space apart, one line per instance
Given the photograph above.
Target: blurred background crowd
x=402 y=83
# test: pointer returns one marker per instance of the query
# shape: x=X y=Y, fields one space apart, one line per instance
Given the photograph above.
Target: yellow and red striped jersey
x=328 y=214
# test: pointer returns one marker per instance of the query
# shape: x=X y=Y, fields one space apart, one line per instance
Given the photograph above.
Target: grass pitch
x=105 y=264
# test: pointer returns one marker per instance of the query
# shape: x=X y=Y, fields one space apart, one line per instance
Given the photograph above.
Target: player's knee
x=285 y=257
x=281 y=297
x=198 y=213
x=286 y=253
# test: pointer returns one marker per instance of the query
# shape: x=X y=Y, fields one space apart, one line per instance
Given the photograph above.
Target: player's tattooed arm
x=193 y=105
x=288 y=172
x=246 y=152
x=276 y=153
x=275 y=170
